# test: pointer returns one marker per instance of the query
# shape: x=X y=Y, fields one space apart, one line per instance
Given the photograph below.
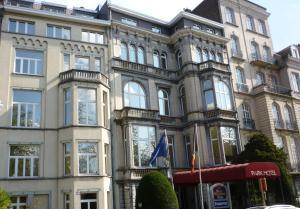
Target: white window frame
x=164 y=100
x=31 y=158
x=262 y=27
x=67 y=103
x=67 y=201
x=140 y=94
x=66 y=156
x=79 y=66
x=88 y=155
x=105 y=108
x=155 y=56
x=230 y=17
x=19 y=204
x=295 y=52
x=29 y=61
x=250 y=23
x=87 y=102
x=296 y=81
x=140 y=55
x=99 y=38
x=17 y=26
x=89 y=201
x=223 y=95
x=64 y=30
x=106 y=150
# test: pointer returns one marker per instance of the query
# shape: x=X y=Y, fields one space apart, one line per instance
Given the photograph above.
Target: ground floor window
x=19 y=202
x=88 y=201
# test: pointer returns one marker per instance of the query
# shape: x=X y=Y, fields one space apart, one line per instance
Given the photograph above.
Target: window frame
x=68 y=104
x=87 y=103
x=17 y=29
x=230 y=16
x=165 y=101
x=222 y=93
x=88 y=201
x=88 y=155
x=262 y=29
x=164 y=60
x=140 y=55
x=141 y=94
x=84 y=67
x=295 y=81
x=19 y=204
x=29 y=62
x=250 y=25
x=124 y=51
x=63 y=30
x=99 y=37
x=66 y=157
x=179 y=59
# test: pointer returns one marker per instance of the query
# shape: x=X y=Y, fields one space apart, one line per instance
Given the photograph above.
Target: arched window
x=223 y=95
x=254 y=51
x=134 y=95
x=163 y=58
x=276 y=115
x=141 y=56
x=198 y=55
x=230 y=15
x=267 y=57
x=219 y=57
x=132 y=55
x=179 y=59
x=209 y=95
x=288 y=116
x=182 y=100
x=123 y=51
x=260 y=78
x=212 y=56
x=156 y=59
x=235 y=46
x=163 y=100
x=205 y=55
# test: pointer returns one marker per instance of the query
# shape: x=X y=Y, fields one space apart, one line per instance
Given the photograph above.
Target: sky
x=284 y=25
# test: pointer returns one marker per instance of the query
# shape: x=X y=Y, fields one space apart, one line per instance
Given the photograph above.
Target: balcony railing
x=241 y=87
x=236 y=53
x=118 y=63
x=263 y=61
x=213 y=65
x=136 y=113
x=273 y=89
x=248 y=123
x=217 y=113
x=83 y=75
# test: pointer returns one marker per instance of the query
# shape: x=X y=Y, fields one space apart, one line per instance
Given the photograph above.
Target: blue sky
x=284 y=25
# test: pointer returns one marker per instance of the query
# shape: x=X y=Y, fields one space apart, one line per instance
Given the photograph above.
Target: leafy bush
x=4 y=199
x=156 y=192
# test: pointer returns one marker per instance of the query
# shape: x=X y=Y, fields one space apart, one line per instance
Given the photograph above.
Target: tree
x=259 y=149
x=4 y=199
x=155 y=191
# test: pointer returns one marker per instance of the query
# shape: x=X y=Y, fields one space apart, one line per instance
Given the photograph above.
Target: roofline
x=181 y=14
x=42 y=13
x=256 y=4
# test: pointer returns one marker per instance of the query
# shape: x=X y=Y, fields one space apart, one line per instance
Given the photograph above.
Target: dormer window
x=128 y=21
x=156 y=29
x=295 y=52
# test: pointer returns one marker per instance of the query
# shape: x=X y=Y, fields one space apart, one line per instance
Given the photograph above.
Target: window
x=141 y=55
x=143 y=140
x=92 y=37
x=223 y=95
x=67 y=158
x=171 y=151
x=296 y=82
x=105 y=108
x=156 y=59
x=295 y=52
x=18 y=202
x=29 y=62
x=240 y=76
x=82 y=63
x=179 y=59
x=88 y=163
x=66 y=62
x=134 y=95
x=123 y=51
x=262 y=27
x=205 y=55
x=132 y=55
x=163 y=100
x=235 y=46
x=288 y=116
x=156 y=30
x=246 y=111
x=67 y=107
x=163 y=59
x=229 y=143
x=24 y=161
x=255 y=55
x=230 y=18
x=260 y=78
x=276 y=115
x=188 y=150
x=273 y=81
x=267 y=54
x=106 y=148
x=212 y=56
x=294 y=158
x=278 y=142
x=26 y=108
x=98 y=64
x=88 y=201
x=198 y=55
x=67 y=201
x=209 y=95
x=87 y=106
x=250 y=23
x=215 y=145
x=219 y=57
x=128 y=21
x=18 y=26
x=182 y=100
x=58 y=32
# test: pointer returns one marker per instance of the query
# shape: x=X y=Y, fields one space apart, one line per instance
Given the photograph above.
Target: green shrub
x=4 y=199
x=156 y=192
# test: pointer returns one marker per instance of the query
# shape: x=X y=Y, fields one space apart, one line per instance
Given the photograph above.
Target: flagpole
x=170 y=167
x=199 y=167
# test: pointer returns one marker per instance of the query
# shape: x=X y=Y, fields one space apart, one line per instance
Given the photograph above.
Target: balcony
x=248 y=123
x=209 y=65
x=82 y=76
x=237 y=54
x=241 y=87
x=136 y=113
x=143 y=69
x=263 y=61
x=272 y=89
x=219 y=114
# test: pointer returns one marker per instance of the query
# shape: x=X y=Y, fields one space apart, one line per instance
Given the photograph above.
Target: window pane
x=12 y=26
x=30 y=28
x=12 y=163
x=140 y=55
x=93 y=164
x=215 y=145
x=20 y=167
x=58 y=32
x=155 y=59
x=21 y=27
x=85 y=36
x=50 y=31
x=97 y=65
x=66 y=34
x=82 y=164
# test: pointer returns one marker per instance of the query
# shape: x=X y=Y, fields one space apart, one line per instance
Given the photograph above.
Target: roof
x=229 y=173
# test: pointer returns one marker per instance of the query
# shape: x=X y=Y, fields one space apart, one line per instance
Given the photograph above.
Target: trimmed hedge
x=156 y=192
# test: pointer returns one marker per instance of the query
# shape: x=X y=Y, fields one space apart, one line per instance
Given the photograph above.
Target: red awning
x=229 y=173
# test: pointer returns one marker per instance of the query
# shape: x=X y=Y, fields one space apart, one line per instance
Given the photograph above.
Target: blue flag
x=160 y=150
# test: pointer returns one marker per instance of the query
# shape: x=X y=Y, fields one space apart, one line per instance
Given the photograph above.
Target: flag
x=160 y=150
x=194 y=150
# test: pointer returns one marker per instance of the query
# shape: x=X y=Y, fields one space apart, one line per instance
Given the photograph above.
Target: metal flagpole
x=199 y=167
x=170 y=167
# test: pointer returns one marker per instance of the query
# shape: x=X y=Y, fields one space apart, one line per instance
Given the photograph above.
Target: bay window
x=223 y=95
x=66 y=62
x=198 y=55
x=67 y=158
x=143 y=140
x=216 y=149
x=29 y=62
x=67 y=106
x=87 y=106
x=156 y=59
x=87 y=162
x=208 y=95
x=229 y=143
